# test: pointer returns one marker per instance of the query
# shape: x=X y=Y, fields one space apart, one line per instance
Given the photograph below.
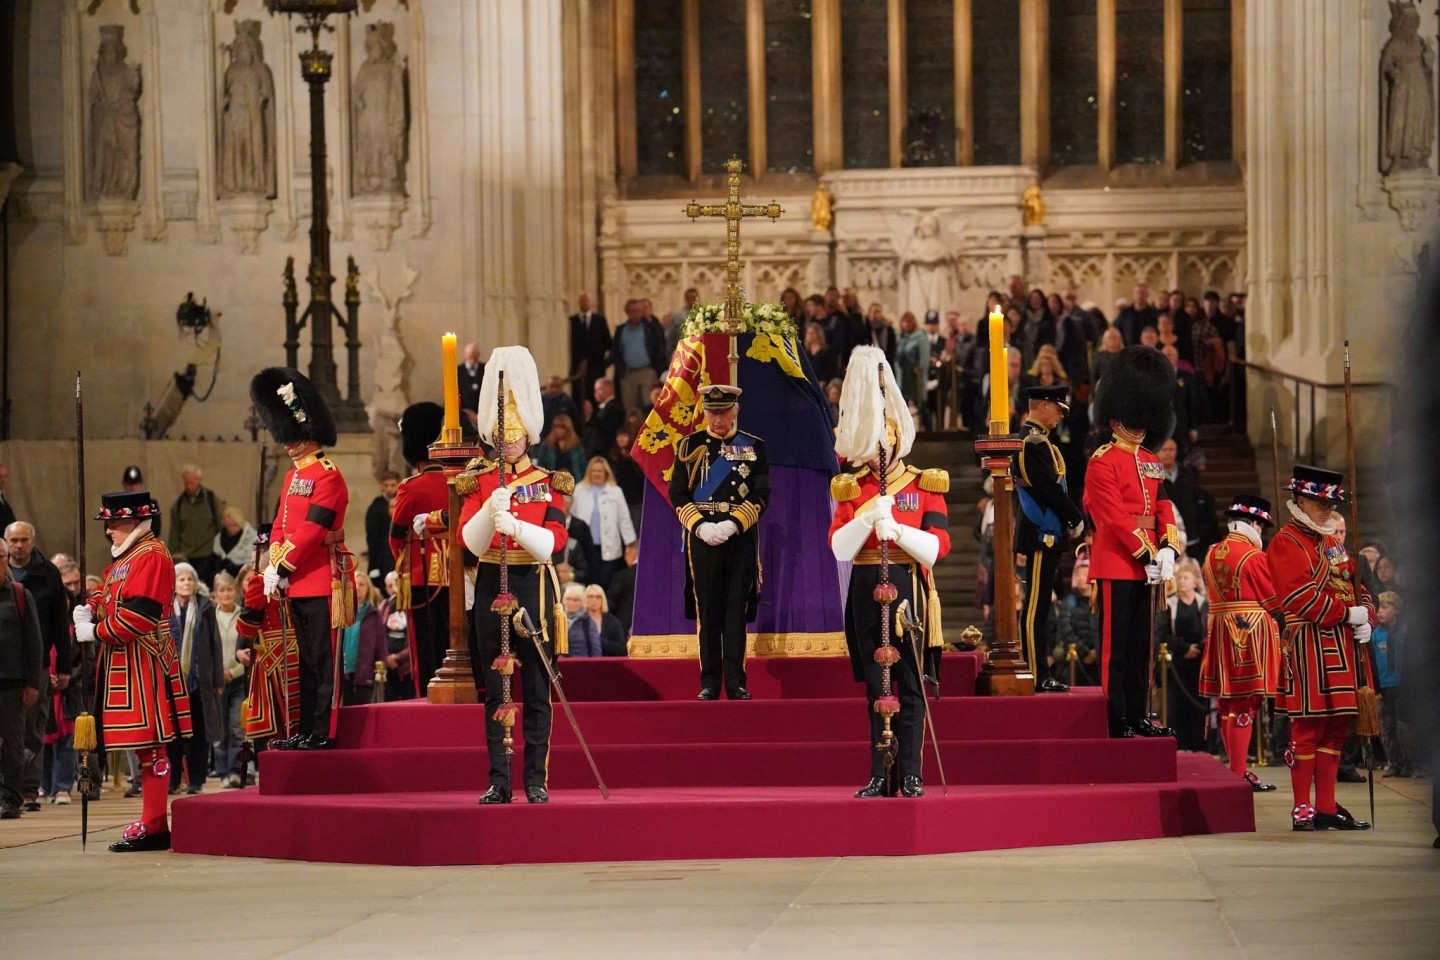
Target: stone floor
x=1272 y=894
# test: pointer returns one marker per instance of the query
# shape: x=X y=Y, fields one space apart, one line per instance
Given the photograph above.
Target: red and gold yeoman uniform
x=1242 y=647
x=272 y=705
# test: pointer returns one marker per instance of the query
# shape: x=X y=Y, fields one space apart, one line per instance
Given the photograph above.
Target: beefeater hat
x=1247 y=506
x=291 y=408
x=1317 y=483
x=131 y=505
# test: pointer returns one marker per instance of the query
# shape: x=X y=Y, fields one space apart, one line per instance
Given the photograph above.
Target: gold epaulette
x=935 y=480
x=562 y=481
x=1101 y=450
x=479 y=465
x=468 y=480
x=844 y=487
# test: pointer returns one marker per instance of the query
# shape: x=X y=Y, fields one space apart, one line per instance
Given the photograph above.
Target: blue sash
x=721 y=467
x=1042 y=517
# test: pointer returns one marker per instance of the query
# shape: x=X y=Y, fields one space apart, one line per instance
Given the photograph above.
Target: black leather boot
x=911 y=787
x=875 y=788
x=496 y=794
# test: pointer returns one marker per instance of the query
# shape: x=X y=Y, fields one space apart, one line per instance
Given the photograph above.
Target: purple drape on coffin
x=801 y=588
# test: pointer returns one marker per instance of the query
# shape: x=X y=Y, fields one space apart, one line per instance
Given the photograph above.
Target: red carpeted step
x=770 y=678
x=416 y=723
x=432 y=827
x=760 y=764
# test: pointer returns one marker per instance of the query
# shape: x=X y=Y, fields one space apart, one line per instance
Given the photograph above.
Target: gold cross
x=733 y=211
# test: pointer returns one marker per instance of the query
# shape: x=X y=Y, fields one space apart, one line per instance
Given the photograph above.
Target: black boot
x=1120 y=729
x=1339 y=820
x=875 y=788
x=1148 y=728
x=496 y=794
x=911 y=787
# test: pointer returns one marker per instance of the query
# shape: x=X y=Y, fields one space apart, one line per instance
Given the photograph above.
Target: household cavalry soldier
x=1136 y=541
x=141 y=700
x=912 y=517
x=272 y=704
x=1047 y=517
x=1241 y=661
x=309 y=563
x=513 y=499
x=1328 y=618
x=719 y=486
x=420 y=542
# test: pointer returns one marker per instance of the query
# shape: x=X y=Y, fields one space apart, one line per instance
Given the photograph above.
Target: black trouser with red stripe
x=1036 y=616
x=1124 y=607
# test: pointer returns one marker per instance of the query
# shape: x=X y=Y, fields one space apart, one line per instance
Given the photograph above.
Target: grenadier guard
x=913 y=518
x=1241 y=662
x=1136 y=541
x=1047 y=518
x=513 y=499
x=141 y=701
x=719 y=487
x=272 y=703
x=420 y=542
x=308 y=558
x=1328 y=618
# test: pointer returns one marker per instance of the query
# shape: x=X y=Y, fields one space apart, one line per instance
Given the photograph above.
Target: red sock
x=154 y=792
x=1304 y=732
x=1237 y=744
x=1327 y=768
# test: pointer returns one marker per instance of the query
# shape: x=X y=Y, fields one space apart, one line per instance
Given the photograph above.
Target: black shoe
x=194 y=790
x=315 y=742
x=32 y=806
x=537 y=794
x=875 y=788
x=1339 y=820
x=912 y=788
x=1350 y=776
x=739 y=693
x=9 y=813
x=1257 y=785
x=708 y=693
x=1148 y=728
x=1051 y=685
x=142 y=843
x=496 y=794
x=1120 y=729
x=287 y=743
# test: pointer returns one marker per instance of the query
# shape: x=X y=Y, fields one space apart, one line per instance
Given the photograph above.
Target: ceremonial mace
x=887 y=704
x=1367 y=720
x=85 y=735
x=505 y=603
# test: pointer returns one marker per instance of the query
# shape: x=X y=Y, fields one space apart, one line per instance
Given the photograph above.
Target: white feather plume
x=863 y=410
x=521 y=381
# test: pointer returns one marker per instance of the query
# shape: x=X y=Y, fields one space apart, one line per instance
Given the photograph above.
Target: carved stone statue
x=393 y=364
x=1407 y=99
x=927 y=270
x=1034 y=205
x=380 y=121
x=114 y=172
x=821 y=212
x=247 y=118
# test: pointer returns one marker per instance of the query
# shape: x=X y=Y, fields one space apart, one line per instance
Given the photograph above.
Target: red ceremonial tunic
x=533 y=498
x=422 y=559
x=1132 y=521
x=1242 y=648
x=914 y=507
x=142 y=698
x=272 y=704
x=1316 y=585
x=308 y=537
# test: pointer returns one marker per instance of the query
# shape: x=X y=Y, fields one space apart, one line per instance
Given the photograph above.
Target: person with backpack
x=195 y=522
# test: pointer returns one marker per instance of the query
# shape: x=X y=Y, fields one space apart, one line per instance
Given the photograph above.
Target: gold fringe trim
x=676 y=646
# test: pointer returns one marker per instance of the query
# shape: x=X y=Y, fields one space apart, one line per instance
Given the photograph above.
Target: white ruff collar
x=128 y=542
x=1247 y=531
x=1328 y=530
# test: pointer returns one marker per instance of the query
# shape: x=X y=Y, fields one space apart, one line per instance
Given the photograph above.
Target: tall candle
x=450 y=367
x=999 y=372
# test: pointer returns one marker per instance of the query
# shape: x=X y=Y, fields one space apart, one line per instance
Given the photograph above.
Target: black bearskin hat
x=292 y=415
x=420 y=426
x=1138 y=391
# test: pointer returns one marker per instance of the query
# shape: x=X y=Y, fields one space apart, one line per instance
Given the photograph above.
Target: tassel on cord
x=85 y=738
x=934 y=633
x=1367 y=723
x=402 y=580
x=562 y=633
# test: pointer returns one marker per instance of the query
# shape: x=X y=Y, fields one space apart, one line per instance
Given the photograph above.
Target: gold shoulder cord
x=697 y=462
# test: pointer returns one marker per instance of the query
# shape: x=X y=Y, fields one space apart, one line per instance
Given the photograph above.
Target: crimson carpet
x=771 y=777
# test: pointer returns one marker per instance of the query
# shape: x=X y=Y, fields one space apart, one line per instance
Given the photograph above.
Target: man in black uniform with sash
x=1047 y=516
x=719 y=486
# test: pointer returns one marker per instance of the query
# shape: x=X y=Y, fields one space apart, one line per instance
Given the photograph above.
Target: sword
x=526 y=628
x=907 y=626
x=84 y=739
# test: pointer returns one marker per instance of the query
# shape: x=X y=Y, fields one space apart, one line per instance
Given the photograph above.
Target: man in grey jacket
x=21 y=673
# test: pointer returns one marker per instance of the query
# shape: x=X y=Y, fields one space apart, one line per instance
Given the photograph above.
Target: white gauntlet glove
x=1165 y=560
x=880 y=509
x=82 y=614
x=506 y=524
x=1362 y=633
x=419 y=523
x=500 y=500
x=887 y=530
x=1357 y=616
x=85 y=631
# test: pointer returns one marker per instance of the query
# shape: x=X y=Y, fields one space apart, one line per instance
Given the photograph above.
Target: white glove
x=710 y=533
x=1165 y=559
x=1152 y=573
x=506 y=524
x=1362 y=633
x=271 y=579
x=469 y=592
x=85 y=632
x=1358 y=616
x=500 y=500
x=727 y=529
x=82 y=614
x=887 y=530
x=419 y=523
x=1076 y=530
x=880 y=508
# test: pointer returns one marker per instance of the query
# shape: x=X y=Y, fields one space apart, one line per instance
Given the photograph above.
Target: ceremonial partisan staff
x=1367 y=721
x=85 y=738
x=505 y=603
x=887 y=704
x=905 y=622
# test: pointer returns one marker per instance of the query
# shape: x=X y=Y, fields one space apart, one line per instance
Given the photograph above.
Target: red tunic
x=1242 y=648
x=143 y=702
x=424 y=557
x=914 y=507
x=1316 y=584
x=272 y=705
x=309 y=530
x=1132 y=521
x=534 y=499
